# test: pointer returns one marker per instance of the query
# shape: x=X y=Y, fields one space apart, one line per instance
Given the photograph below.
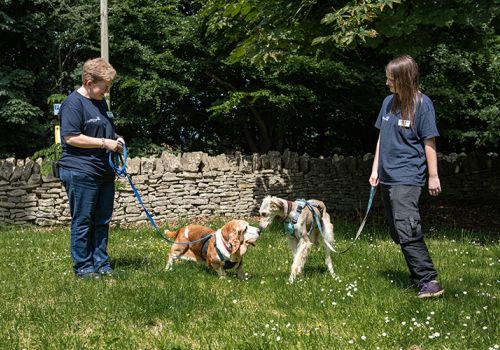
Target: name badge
x=110 y=114
x=405 y=123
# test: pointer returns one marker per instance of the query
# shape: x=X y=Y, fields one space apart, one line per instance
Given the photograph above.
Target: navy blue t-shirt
x=402 y=158
x=81 y=115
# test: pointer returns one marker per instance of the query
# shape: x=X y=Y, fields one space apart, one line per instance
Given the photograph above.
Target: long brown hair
x=404 y=74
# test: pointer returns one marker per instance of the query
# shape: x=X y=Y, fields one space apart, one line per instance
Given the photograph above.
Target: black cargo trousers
x=402 y=213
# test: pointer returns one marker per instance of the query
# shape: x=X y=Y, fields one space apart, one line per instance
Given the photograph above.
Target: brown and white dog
x=224 y=250
x=299 y=240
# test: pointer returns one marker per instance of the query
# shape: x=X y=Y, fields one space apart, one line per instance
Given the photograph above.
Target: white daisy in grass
x=363 y=337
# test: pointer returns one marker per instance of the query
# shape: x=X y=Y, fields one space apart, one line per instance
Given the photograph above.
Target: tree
x=457 y=45
x=289 y=93
x=445 y=37
x=40 y=41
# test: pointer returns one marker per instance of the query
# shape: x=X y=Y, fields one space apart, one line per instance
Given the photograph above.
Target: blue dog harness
x=289 y=226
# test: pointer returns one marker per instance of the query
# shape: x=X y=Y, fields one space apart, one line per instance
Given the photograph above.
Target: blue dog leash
x=115 y=159
x=373 y=190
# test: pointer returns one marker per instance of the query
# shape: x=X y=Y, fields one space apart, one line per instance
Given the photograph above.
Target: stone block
x=6 y=170
x=134 y=166
x=191 y=162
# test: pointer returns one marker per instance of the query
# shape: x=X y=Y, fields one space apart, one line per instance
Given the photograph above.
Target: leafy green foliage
x=456 y=45
x=350 y=23
x=40 y=40
x=250 y=75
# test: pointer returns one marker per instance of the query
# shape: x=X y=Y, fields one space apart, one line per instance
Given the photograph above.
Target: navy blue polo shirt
x=81 y=115
x=402 y=158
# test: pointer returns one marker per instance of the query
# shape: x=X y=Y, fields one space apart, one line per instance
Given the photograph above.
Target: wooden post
x=104 y=39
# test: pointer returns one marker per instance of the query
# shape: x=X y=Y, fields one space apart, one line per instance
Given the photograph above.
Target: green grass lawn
x=368 y=306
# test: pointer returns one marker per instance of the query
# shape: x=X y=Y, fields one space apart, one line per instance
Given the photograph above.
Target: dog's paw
x=168 y=266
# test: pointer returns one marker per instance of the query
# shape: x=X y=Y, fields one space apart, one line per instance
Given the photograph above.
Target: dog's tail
x=171 y=234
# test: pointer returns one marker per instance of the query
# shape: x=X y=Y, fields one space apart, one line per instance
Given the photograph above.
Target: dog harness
x=204 y=248
x=289 y=226
x=222 y=251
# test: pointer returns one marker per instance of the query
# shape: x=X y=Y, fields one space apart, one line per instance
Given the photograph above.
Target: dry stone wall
x=196 y=184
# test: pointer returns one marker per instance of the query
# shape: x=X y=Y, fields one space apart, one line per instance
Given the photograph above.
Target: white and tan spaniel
x=302 y=221
x=223 y=250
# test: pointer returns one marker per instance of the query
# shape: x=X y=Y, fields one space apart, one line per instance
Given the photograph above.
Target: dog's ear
x=234 y=241
x=277 y=204
x=234 y=233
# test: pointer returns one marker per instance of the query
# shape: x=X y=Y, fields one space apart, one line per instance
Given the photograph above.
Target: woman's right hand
x=113 y=145
x=374 y=181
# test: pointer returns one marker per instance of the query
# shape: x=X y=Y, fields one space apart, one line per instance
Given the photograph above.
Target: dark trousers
x=402 y=212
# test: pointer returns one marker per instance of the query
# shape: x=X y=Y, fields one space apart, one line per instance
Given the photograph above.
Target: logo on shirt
x=94 y=120
x=386 y=118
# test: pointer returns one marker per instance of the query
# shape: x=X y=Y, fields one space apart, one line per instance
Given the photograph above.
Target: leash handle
x=115 y=159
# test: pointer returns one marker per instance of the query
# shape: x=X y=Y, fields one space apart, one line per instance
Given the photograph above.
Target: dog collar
x=221 y=246
x=289 y=205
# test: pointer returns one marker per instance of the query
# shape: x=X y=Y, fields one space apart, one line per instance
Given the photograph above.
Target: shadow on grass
x=400 y=279
x=130 y=262
x=315 y=270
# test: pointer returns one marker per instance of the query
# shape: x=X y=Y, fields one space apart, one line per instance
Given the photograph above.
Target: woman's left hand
x=434 y=186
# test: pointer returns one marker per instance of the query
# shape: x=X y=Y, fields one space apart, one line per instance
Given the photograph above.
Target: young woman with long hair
x=405 y=158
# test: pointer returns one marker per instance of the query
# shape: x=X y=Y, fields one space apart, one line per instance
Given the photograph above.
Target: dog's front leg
x=170 y=262
x=240 y=272
x=299 y=259
x=219 y=268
